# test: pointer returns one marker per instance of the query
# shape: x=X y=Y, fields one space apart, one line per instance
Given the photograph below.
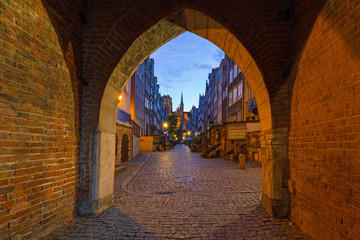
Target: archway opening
x=275 y=195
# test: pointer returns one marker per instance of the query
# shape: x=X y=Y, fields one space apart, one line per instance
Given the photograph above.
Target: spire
x=181 y=102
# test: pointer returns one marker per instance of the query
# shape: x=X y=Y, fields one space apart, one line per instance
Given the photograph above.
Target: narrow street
x=179 y=195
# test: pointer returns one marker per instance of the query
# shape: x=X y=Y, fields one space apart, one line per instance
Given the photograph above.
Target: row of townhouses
x=228 y=98
x=140 y=111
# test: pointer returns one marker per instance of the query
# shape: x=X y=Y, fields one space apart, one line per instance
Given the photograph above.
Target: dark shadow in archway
x=64 y=16
x=258 y=224
x=111 y=224
x=309 y=12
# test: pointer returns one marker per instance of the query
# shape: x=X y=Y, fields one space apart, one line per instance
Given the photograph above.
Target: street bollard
x=242 y=161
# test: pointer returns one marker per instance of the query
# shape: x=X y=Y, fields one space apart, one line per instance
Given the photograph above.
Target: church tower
x=182 y=103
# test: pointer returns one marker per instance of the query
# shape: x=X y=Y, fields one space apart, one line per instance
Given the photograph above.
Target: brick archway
x=57 y=58
x=275 y=196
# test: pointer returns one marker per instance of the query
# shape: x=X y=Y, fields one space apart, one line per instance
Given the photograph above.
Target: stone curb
x=126 y=182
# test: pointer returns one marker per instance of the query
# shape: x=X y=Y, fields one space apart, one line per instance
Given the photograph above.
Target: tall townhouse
x=201 y=112
x=224 y=81
x=236 y=87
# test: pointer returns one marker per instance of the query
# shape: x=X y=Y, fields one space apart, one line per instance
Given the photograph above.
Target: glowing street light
x=188 y=132
x=120 y=97
x=165 y=125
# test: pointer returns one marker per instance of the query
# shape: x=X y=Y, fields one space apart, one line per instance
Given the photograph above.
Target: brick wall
x=324 y=142
x=39 y=117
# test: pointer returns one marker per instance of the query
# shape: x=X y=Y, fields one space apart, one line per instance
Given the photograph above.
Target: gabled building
x=141 y=109
x=228 y=97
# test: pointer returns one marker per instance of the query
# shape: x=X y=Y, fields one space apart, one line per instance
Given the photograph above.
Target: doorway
x=124 y=148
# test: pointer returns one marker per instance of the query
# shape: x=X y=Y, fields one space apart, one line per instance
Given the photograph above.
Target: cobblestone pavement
x=179 y=195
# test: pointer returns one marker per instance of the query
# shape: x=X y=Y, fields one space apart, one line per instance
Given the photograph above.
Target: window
x=235 y=94
x=147 y=87
x=233 y=72
x=230 y=98
x=240 y=90
x=147 y=103
x=249 y=92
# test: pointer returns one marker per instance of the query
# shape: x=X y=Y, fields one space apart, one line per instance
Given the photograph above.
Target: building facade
x=167 y=103
x=228 y=98
x=140 y=111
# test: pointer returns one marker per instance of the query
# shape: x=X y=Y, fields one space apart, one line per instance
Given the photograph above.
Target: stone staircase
x=228 y=155
x=211 y=150
x=196 y=147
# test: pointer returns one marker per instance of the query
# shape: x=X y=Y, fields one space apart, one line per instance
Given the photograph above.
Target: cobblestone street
x=179 y=195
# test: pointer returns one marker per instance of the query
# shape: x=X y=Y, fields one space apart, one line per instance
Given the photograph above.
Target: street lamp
x=188 y=132
x=165 y=125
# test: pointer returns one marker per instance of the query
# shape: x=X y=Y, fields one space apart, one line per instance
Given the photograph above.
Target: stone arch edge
x=149 y=41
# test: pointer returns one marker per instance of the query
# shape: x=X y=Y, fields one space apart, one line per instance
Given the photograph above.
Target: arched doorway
x=124 y=148
x=274 y=140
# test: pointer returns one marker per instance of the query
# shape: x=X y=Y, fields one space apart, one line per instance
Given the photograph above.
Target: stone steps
x=119 y=168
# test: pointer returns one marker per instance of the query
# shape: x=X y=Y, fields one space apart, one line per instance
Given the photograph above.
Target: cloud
x=177 y=81
x=218 y=55
x=165 y=87
x=179 y=72
x=197 y=66
x=172 y=72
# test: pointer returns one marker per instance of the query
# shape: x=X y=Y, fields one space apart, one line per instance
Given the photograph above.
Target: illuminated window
x=240 y=90
x=235 y=94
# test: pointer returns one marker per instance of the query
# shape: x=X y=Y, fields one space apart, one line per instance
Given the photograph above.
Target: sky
x=184 y=63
